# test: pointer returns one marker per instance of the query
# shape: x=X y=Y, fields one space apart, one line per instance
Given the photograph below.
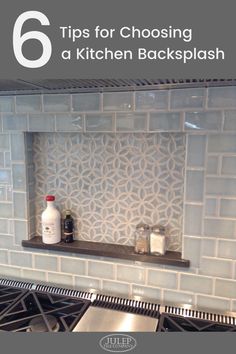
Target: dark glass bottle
x=68 y=227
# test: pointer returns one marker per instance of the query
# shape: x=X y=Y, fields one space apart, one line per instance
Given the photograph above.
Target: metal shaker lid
x=142 y=227
x=161 y=229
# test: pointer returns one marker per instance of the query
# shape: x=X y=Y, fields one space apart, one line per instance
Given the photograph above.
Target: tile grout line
x=101 y=102
x=33 y=261
x=148 y=122
x=115 y=271
x=70 y=104
x=169 y=101
x=114 y=122
x=233 y=270
x=178 y=281
x=216 y=253
x=213 y=286
x=187 y=142
x=134 y=102
x=146 y=276
x=222 y=121
x=86 y=268
x=42 y=103
x=13 y=110
x=59 y=264
x=206 y=99
x=204 y=203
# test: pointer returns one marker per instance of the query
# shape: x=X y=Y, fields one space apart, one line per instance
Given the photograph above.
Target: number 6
x=18 y=39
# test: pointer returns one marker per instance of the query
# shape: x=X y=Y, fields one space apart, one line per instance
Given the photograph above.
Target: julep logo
x=117 y=343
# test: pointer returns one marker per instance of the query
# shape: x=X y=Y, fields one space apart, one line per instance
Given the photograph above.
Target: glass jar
x=142 y=233
x=158 y=240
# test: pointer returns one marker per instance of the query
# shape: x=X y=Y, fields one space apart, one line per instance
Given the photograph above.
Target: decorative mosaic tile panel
x=112 y=182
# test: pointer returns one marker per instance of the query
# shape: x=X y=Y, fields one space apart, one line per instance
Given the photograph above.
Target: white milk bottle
x=51 y=222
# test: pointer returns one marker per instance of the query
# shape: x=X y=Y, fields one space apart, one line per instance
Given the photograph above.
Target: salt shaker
x=158 y=240
x=142 y=233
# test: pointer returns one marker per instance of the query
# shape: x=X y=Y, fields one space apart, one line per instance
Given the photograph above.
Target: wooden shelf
x=108 y=250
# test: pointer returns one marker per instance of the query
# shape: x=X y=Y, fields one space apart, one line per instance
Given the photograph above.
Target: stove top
x=35 y=311
x=26 y=307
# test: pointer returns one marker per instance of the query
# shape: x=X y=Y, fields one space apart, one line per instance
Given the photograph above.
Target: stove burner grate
x=8 y=296
x=176 y=323
x=37 y=307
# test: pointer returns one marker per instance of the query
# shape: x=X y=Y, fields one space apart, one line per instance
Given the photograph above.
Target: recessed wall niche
x=111 y=182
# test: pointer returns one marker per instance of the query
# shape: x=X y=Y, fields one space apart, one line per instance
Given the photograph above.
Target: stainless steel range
x=26 y=307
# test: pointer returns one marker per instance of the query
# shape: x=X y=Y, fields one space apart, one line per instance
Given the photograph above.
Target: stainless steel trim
x=67 y=292
x=135 y=303
x=98 y=319
x=205 y=314
x=16 y=284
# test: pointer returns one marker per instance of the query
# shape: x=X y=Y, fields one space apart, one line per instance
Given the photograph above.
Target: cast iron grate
x=172 y=323
x=40 y=306
x=8 y=296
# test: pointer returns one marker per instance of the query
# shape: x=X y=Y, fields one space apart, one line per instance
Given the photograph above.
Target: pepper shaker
x=142 y=233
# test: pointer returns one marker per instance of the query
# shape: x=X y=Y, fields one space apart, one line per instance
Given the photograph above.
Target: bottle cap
x=68 y=212
x=50 y=198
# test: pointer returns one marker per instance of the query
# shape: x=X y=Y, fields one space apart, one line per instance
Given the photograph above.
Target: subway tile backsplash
x=228 y=165
x=196 y=179
x=99 y=122
x=86 y=102
x=128 y=122
x=42 y=122
x=29 y=103
x=151 y=100
x=196 y=150
x=216 y=267
x=230 y=120
x=162 y=279
x=196 y=283
x=68 y=122
x=203 y=121
x=56 y=103
x=118 y=101
x=7 y=104
x=14 y=122
x=222 y=97
x=172 y=152
x=131 y=274
x=187 y=98
x=222 y=143
x=213 y=302
x=162 y=121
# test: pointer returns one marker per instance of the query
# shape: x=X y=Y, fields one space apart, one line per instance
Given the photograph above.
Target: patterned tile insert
x=112 y=182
